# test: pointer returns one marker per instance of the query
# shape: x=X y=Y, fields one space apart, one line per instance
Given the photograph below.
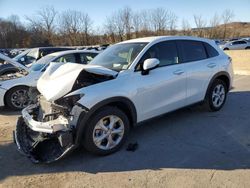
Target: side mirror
x=149 y=64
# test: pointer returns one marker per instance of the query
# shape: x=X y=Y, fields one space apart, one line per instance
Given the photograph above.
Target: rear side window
x=211 y=52
x=87 y=57
x=242 y=42
x=191 y=50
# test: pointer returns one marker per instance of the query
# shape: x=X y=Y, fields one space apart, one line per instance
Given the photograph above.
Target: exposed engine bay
x=46 y=130
x=86 y=78
x=11 y=76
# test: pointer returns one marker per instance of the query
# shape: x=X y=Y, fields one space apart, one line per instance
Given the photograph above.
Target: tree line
x=48 y=27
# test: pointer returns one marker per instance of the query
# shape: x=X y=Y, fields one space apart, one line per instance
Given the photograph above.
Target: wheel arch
x=123 y=103
x=6 y=93
x=224 y=76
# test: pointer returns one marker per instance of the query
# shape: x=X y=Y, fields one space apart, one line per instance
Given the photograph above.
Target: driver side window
x=165 y=52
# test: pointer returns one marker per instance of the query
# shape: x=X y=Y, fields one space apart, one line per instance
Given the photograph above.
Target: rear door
x=199 y=67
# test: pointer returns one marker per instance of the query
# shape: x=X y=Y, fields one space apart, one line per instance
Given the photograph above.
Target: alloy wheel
x=218 y=95
x=108 y=132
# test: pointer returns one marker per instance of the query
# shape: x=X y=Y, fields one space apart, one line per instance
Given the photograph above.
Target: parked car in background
x=14 y=87
x=28 y=57
x=95 y=105
x=236 y=45
x=246 y=39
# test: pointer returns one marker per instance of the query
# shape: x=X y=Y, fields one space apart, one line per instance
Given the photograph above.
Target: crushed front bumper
x=43 y=142
x=59 y=124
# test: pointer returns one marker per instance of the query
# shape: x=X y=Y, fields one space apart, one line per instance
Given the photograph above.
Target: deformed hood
x=59 y=79
x=13 y=62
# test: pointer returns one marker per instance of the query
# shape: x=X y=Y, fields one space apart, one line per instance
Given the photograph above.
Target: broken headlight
x=69 y=101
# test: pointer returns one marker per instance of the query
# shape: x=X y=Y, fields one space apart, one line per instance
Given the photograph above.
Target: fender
x=87 y=113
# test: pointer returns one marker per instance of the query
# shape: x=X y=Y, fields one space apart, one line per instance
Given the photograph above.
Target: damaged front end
x=45 y=132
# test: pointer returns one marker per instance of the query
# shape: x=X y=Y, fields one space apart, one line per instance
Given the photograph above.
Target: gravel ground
x=187 y=148
x=241 y=61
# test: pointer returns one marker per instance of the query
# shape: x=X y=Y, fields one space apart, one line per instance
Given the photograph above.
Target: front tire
x=216 y=96
x=106 y=131
x=17 y=98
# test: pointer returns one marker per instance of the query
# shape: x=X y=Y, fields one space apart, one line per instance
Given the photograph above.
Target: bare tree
x=146 y=20
x=119 y=23
x=87 y=25
x=76 y=25
x=163 y=20
x=172 y=22
x=200 y=25
x=44 y=20
x=159 y=20
x=214 y=24
x=137 y=23
x=186 y=29
x=12 y=33
x=227 y=17
x=110 y=29
x=127 y=15
x=47 y=27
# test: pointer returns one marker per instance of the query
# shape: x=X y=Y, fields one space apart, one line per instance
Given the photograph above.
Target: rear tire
x=226 y=49
x=247 y=48
x=17 y=98
x=216 y=95
x=106 y=132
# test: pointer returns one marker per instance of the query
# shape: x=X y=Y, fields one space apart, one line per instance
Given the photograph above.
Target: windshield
x=27 y=57
x=118 y=57
x=21 y=55
x=33 y=53
x=37 y=66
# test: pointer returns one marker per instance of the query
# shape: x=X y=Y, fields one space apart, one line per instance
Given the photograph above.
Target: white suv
x=96 y=104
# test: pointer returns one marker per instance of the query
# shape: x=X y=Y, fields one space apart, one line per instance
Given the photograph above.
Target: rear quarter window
x=191 y=50
x=211 y=51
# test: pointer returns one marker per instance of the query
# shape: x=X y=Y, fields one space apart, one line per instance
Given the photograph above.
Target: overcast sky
x=99 y=10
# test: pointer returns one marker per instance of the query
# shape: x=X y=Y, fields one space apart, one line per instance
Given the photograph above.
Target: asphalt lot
x=187 y=148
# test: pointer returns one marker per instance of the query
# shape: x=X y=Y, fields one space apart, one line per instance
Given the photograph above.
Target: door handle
x=178 y=72
x=211 y=65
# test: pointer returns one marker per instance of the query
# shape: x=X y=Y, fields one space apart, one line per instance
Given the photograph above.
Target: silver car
x=236 y=45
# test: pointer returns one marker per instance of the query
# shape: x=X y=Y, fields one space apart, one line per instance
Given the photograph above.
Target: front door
x=164 y=88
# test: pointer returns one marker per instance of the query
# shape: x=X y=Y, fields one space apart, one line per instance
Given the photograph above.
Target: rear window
x=191 y=50
x=211 y=52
